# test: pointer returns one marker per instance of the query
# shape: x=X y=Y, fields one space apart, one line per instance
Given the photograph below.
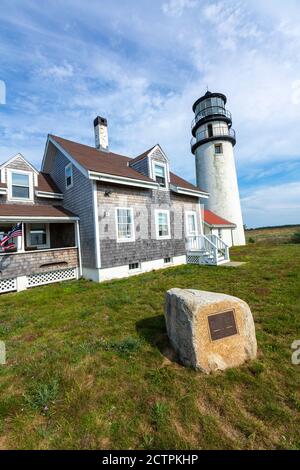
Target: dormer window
x=160 y=175
x=20 y=185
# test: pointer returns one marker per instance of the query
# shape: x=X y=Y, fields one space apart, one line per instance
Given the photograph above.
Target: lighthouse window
x=218 y=149
x=160 y=175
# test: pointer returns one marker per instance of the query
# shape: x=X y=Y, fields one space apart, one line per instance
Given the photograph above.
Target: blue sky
x=142 y=64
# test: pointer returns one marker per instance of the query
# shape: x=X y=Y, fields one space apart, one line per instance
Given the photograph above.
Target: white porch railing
x=207 y=249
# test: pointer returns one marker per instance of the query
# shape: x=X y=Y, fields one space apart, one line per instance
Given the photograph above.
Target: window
x=38 y=235
x=168 y=260
x=125 y=228
x=160 y=175
x=20 y=185
x=210 y=130
x=163 y=224
x=134 y=266
x=69 y=175
x=218 y=149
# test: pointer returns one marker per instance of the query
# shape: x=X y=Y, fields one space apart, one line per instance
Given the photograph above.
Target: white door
x=191 y=229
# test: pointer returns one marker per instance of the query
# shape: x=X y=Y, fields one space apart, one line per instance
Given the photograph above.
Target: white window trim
x=39 y=247
x=70 y=165
x=193 y=213
x=157 y=212
x=132 y=238
x=10 y=172
x=136 y=270
x=166 y=169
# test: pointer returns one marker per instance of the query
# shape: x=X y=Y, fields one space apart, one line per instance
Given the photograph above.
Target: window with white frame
x=125 y=227
x=69 y=175
x=20 y=185
x=38 y=236
x=162 y=222
x=160 y=175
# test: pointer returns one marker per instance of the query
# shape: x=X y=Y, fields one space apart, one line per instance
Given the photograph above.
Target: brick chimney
x=101 y=133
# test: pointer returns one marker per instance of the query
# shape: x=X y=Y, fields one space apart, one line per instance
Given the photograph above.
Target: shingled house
x=93 y=213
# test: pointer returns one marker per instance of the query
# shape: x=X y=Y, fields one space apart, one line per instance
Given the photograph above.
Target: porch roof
x=213 y=220
x=25 y=212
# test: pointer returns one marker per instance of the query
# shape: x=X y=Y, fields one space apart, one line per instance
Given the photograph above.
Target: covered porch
x=47 y=251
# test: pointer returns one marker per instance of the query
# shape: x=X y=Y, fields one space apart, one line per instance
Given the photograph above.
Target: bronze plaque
x=222 y=325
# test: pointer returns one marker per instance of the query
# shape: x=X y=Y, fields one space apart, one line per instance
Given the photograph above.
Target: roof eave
x=188 y=192
x=48 y=194
x=13 y=218
x=220 y=225
x=108 y=178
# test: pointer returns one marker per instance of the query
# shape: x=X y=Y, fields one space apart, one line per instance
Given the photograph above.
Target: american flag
x=8 y=247
x=15 y=232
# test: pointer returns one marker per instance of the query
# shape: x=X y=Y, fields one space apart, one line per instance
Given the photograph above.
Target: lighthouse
x=212 y=144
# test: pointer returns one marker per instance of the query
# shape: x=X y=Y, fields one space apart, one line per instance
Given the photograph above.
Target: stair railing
x=209 y=245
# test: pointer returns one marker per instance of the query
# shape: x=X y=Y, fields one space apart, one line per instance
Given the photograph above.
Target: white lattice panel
x=191 y=259
x=51 y=276
x=8 y=285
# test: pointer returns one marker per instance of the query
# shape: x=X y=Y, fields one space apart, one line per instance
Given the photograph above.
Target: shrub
x=251 y=240
x=296 y=238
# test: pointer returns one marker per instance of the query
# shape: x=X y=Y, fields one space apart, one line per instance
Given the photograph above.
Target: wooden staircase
x=207 y=250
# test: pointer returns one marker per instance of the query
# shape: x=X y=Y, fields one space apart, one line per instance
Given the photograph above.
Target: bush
x=251 y=240
x=296 y=238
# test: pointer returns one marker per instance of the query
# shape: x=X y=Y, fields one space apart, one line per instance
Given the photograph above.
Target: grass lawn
x=89 y=365
x=273 y=235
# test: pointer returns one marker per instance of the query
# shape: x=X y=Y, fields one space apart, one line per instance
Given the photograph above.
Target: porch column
x=21 y=240
x=78 y=244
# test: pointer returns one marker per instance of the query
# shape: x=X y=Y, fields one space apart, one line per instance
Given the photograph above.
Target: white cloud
x=2 y=92
x=59 y=72
x=272 y=205
x=177 y=7
x=144 y=69
x=296 y=92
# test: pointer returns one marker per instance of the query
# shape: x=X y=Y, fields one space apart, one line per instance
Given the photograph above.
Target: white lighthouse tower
x=212 y=144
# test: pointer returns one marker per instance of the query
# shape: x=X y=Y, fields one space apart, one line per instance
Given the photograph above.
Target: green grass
x=274 y=235
x=89 y=365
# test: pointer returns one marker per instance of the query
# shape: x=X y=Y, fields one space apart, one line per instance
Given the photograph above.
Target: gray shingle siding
x=79 y=200
x=144 y=202
x=141 y=166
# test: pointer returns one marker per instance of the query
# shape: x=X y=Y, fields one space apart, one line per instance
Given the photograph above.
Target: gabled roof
x=98 y=161
x=45 y=183
x=15 y=157
x=94 y=160
x=142 y=156
x=212 y=219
